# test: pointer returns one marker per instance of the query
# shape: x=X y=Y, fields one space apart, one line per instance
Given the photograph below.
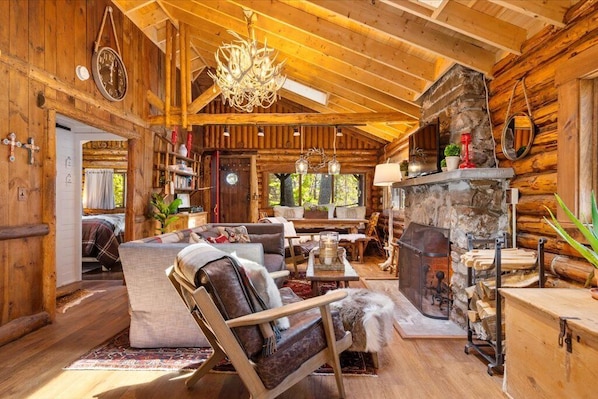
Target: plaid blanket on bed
x=99 y=241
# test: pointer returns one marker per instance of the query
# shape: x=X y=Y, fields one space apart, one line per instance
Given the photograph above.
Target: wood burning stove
x=424 y=269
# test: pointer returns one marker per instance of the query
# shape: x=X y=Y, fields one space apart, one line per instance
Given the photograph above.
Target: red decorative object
x=189 y=139
x=465 y=142
x=173 y=137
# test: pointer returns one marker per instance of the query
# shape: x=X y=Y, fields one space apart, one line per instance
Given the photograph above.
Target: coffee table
x=337 y=276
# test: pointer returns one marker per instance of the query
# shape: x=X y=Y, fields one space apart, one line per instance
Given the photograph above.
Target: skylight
x=306 y=91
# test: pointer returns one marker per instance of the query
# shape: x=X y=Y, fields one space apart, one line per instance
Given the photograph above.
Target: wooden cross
x=32 y=148
x=11 y=141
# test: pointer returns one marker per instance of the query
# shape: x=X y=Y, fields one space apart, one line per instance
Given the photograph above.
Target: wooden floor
x=32 y=366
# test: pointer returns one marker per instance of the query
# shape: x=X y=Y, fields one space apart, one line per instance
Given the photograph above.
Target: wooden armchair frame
x=218 y=332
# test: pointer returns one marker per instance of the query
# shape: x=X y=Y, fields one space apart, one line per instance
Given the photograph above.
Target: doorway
x=70 y=137
x=236 y=188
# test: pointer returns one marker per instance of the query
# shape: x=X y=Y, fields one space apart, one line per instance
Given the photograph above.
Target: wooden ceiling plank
x=314 y=76
x=552 y=11
x=413 y=30
x=475 y=24
x=329 y=82
x=308 y=30
x=382 y=79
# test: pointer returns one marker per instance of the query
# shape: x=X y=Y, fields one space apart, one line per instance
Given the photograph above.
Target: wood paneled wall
x=536 y=174
x=41 y=43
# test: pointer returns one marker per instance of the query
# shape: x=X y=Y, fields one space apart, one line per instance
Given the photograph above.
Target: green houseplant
x=451 y=154
x=589 y=231
x=443 y=164
x=164 y=212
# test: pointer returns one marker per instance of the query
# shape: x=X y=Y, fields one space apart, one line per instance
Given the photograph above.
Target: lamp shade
x=386 y=174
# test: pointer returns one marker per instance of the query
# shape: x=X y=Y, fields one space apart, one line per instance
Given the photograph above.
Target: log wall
x=536 y=174
x=41 y=43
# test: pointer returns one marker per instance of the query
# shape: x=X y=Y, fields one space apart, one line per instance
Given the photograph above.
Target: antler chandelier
x=245 y=73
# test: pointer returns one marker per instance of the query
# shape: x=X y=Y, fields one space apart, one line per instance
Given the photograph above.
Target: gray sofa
x=158 y=317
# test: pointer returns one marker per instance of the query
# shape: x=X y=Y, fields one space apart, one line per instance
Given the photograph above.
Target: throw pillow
x=264 y=285
x=235 y=234
x=218 y=240
x=194 y=238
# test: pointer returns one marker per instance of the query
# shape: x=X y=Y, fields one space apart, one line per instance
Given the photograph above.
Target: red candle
x=173 y=137
x=189 y=139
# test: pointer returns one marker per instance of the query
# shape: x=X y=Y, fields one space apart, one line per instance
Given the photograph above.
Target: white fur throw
x=264 y=285
x=369 y=317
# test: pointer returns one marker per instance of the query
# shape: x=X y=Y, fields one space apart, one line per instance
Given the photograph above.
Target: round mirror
x=517 y=136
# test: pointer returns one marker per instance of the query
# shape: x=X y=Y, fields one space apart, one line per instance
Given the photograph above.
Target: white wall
x=68 y=208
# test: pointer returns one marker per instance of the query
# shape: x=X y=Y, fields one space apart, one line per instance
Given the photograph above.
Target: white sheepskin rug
x=369 y=317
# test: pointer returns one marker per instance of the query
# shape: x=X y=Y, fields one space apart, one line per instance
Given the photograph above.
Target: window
x=119 y=182
x=292 y=189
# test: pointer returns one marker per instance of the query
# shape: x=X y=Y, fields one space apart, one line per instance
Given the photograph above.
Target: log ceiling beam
x=285 y=119
x=472 y=23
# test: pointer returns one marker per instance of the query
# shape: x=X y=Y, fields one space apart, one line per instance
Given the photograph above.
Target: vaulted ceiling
x=369 y=56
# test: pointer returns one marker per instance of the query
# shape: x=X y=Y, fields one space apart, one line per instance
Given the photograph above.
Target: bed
x=101 y=235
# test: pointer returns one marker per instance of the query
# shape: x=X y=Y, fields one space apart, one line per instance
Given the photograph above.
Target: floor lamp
x=385 y=175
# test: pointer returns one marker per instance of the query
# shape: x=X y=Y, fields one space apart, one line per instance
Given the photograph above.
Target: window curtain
x=98 y=190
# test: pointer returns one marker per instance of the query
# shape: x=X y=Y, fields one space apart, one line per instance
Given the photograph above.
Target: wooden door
x=235 y=189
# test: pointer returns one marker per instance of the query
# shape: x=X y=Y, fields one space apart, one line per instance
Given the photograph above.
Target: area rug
x=409 y=322
x=302 y=287
x=117 y=354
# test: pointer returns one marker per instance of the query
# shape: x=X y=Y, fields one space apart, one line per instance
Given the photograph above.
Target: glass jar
x=328 y=247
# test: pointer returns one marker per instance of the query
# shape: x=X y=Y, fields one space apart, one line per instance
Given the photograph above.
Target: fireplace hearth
x=424 y=269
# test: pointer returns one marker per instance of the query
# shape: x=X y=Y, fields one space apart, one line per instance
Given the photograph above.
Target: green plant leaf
x=592 y=239
x=594 y=216
x=584 y=251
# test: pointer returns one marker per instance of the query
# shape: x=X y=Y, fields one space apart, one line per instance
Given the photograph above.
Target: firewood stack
x=518 y=269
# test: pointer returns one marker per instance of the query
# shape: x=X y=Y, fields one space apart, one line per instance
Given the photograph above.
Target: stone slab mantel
x=458 y=175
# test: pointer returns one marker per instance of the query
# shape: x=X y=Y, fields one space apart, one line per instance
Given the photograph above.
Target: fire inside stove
x=424 y=269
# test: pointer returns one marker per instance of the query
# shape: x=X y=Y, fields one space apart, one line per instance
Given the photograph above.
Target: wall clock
x=109 y=73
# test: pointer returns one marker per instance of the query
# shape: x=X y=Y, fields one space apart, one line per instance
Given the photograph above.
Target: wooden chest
x=551 y=343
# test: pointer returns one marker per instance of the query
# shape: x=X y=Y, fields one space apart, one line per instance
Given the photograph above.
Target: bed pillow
x=264 y=285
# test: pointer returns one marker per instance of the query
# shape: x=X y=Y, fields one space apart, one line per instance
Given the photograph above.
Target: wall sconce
x=260 y=131
x=296 y=131
x=339 y=132
x=226 y=133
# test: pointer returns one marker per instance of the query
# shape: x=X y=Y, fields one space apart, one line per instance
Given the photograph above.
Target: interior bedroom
x=90 y=206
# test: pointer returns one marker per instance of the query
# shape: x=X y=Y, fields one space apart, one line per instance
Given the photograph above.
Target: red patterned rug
x=117 y=354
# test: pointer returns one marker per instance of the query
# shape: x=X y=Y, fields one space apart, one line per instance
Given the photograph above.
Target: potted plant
x=443 y=164
x=315 y=211
x=452 y=154
x=164 y=212
x=589 y=231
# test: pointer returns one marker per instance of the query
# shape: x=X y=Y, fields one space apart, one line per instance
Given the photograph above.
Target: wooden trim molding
x=576 y=135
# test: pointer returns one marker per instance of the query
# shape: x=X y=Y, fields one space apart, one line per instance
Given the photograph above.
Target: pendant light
x=334 y=166
x=301 y=164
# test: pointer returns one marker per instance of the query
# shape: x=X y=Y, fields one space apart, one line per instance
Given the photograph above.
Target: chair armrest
x=269 y=315
x=279 y=274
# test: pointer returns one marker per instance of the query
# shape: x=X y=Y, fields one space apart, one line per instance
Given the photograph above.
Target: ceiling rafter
x=475 y=24
x=369 y=56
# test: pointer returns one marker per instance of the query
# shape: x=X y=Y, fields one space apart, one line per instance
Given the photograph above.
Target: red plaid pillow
x=218 y=240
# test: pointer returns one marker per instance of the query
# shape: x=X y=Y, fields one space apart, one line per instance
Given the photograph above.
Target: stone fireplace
x=463 y=201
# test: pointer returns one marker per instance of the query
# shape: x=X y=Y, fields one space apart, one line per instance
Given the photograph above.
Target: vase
x=452 y=162
x=183 y=150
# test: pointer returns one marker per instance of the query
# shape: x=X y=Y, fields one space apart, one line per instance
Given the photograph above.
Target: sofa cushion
x=195 y=238
x=271 y=242
x=350 y=212
x=288 y=212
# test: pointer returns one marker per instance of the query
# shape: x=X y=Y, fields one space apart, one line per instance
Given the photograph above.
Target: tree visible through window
x=292 y=189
